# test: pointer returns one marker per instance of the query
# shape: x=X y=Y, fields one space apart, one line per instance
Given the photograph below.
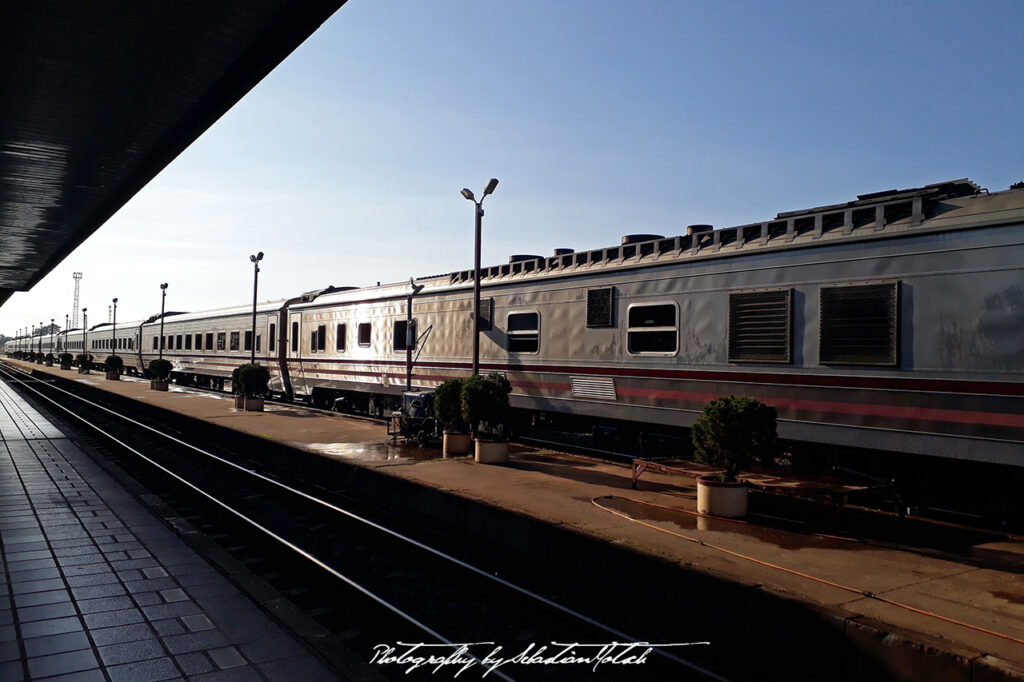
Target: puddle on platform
x=707 y=527
x=379 y=452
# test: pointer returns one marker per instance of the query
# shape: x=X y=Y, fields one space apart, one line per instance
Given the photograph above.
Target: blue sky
x=599 y=118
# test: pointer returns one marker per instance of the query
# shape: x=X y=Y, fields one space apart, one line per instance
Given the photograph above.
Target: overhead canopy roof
x=97 y=97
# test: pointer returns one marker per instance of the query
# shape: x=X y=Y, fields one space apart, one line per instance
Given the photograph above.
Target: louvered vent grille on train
x=599 y=307
x=759 y=327
x=858 y=325
x=486 y=314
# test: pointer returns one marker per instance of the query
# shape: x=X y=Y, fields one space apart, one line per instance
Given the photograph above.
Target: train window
x=759 y=326
x=248 y=341
x=295 y=337
x=169 y=342
x=155 y=342
x=858 y=325
x=486 y=314
x=364 y=334
x=131 y=344
x=402 y=334
x=188 y=342
x=272 y=337
x=199 y=341
x=599 y=307
x=652 y=329
x=221 y=339
x=312 y=341
x=523 y=331
x=258 y=342
x=209 y=341
x=178 y=342
x=339 y=337
x=234 y=340
x=321 y=338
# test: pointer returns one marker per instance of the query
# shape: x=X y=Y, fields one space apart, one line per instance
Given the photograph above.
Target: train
x=891 y=322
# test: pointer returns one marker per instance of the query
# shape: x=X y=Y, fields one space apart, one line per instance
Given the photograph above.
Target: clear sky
x=599 y=118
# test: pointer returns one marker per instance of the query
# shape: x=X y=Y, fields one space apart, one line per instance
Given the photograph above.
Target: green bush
x=160 y=369
x=31 y=357
x=734 y=431
x=114 y=363
x=49 y=358
x=485 y=405
x=66 y=358
x=84 y=359
x=250 y=380
x=448 y=404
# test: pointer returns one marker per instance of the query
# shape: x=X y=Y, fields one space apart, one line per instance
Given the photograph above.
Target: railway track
x=369 y=584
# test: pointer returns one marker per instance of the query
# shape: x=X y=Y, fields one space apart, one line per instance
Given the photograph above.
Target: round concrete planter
x=491 y=451
x=456 y=444
x=239 y=402
x=65 y=367
x=113 y=376
x=158 y=385
x=720 y=498
x=253 y=404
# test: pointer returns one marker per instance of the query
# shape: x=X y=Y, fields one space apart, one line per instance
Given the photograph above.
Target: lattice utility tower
x=74 y=308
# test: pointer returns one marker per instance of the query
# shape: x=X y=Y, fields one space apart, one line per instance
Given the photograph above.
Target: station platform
x=947 y=604
x=94 y=587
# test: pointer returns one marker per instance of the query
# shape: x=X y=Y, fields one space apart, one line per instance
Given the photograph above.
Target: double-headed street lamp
x=255 y=281
x=113 y=332
x=52 y=348
x=163 y=298
x=40 y=339
x=479 y=212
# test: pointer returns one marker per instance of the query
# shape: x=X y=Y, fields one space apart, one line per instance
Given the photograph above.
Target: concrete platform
x=94 y=587
x=959 y=608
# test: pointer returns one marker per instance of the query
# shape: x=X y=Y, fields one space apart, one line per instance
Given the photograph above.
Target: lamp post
x=479 y=213
x=40 y=342
x=85 y=342
x=163 y=297
x=255 y=281
x=410 y=337
x=51 y=337
x=113 y=331
x=65 y=346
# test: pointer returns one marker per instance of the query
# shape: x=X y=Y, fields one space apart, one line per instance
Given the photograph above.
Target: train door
x=294 y=354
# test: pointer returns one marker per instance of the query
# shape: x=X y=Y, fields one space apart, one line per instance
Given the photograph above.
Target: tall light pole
x=85 y=342
x=51 y=337
x=479 y=212
x=40 y=340
x=113 y=331
x=410 y=337
x=66 y=318
x=163 y=297
x=255 y=281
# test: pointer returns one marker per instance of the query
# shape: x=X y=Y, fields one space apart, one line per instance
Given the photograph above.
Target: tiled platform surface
x=94 y=587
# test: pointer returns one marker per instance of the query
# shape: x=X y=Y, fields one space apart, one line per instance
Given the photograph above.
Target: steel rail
x=459 y=562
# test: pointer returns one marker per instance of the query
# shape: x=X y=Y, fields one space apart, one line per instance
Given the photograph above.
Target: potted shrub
x=114 y=365
x=31 y=357
x=732 y=432
x=159 y=371
x=448 y=409
x=249 y=382
x=84 y=360
x=485 y=408
x=49 y=359
x=65 y=360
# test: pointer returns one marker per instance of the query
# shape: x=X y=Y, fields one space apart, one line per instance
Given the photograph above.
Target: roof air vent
x=563 y=252
x=521 y=257
x=637 y=238
x=694 y=229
